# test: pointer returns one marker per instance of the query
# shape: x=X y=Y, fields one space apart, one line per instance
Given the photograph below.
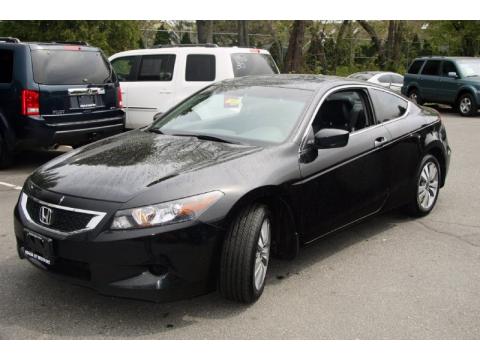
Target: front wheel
x=245 y=255
x=467 y=105
x=424 y=193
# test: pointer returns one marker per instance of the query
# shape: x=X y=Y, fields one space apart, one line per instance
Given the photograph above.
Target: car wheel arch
x=285 y=243
x=463 y=91
x=435 y=149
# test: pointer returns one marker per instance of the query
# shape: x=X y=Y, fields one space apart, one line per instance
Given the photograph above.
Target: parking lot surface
x=388 y=277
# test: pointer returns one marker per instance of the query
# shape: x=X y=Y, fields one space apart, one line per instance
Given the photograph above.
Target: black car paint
x=320 y=190
x=56 y=124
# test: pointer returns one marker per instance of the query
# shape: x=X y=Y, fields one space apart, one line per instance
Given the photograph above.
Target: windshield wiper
x=156 y=131
x=208 y=138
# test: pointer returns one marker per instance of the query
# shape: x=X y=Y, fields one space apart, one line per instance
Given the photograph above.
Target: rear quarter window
x=200 y=68
x=387 y=106
x=245 y=64
x=415 y=67
x=6 y=66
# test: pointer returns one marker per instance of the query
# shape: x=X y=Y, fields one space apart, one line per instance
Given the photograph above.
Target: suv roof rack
x=83 y=43
x=209 y=45
x=9 y=39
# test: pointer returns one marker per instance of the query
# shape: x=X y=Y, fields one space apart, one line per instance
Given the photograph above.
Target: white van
x=153 y=80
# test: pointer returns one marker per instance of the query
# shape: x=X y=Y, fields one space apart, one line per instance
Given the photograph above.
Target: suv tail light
x=119 y=98
x=30 y=102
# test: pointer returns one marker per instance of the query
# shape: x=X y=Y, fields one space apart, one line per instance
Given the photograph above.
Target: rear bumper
x=165 y=264
x=35 y=131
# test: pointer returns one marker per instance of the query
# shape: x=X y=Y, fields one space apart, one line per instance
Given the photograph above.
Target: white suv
x=154 y=80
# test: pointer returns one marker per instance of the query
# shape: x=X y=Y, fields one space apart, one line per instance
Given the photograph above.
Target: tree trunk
x=339 y=41
x=242 y=33
x=377 y=42
x=294 y=58
x=205 y=31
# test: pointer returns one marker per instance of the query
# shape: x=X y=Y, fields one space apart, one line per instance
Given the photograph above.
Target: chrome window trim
x=94 y=221
x=352 y=86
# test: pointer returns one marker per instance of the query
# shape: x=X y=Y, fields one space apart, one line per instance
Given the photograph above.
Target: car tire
x=6 y=153
x=245 y=255
x=426 y=188
x=415 y=97
x=467 y=105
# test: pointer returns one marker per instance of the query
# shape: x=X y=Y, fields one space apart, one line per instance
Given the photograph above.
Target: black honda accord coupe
x=243 y=170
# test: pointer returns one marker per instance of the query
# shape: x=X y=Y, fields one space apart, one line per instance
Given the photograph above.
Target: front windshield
x=245 y=114
x=469 y=68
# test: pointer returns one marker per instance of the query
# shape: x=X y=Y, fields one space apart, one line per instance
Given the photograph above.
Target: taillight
x=30 y=102
x=119 y=97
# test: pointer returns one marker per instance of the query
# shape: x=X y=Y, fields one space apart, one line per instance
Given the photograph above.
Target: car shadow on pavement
x=43 y=307
x=32 y=159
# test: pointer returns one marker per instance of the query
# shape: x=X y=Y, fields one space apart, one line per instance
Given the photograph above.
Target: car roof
x=447 y=58
x=294 y=81
x=190 y=50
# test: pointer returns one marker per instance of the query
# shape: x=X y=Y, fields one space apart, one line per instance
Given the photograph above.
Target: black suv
x=452 y=81
x=55 y=93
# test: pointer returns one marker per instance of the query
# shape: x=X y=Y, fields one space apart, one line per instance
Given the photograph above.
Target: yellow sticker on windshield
x=232 y=101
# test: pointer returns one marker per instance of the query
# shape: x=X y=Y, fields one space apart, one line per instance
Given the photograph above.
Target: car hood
x=119 y=168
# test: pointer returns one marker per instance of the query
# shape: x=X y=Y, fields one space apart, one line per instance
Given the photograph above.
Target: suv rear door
x=147 y=82
x=76 y=85
x=429 y=80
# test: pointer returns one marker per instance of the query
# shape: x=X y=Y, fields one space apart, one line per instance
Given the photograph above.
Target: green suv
x=452 y=81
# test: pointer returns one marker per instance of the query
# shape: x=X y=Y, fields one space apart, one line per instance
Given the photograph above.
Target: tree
x=162 y=37
x=294 y=57
x=110 y=36
x=377 y=41
x=205 y=31
x=339 y=43
x=242 y=33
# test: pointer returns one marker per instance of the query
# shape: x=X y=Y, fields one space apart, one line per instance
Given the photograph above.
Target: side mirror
x=331 y=138
x=453 y=74
x=157 y=116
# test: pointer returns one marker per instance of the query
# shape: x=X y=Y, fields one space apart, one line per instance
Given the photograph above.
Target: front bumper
x=158 y=264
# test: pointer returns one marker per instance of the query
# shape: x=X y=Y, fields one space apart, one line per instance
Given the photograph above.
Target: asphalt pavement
x=390 y=277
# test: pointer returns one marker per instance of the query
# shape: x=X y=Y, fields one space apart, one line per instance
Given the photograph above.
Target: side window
x=387 y=79
x=125 y=68
x=447 y=67
x=156 y=68
x=6 y=66
x=346 y=110
x=200 y=68
x=387 y=106
x=432 y=67
x=397 y=79
x=415 y=67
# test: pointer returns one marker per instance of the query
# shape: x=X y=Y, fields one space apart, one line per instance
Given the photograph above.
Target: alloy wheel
x=262 y=255
x=427 y=186
x=465 y=105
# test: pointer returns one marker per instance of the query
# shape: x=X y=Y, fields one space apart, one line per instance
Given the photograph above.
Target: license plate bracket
x=86 y=101
x=39 y=247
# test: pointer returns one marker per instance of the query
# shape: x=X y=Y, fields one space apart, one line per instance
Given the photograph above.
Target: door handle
x=380 y=141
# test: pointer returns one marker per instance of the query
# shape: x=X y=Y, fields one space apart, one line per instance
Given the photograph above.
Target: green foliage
x=162 y=37
x=111 y=36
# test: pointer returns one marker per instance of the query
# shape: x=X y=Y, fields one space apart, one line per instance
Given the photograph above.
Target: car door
x=341 y=185
x=151 y=90
x=449 y=86
x=200 y=70
x=429 y=80
x=403 y=150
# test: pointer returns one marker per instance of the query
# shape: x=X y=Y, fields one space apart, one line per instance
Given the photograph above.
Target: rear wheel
x=6 y=153
x=467 y=105
x=246 y=254
x=424 y=193
x=415 y=97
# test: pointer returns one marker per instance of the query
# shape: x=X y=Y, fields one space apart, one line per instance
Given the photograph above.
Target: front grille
x=61 y=219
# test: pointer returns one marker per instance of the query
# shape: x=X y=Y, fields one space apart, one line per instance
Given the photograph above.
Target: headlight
x=165 y=213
